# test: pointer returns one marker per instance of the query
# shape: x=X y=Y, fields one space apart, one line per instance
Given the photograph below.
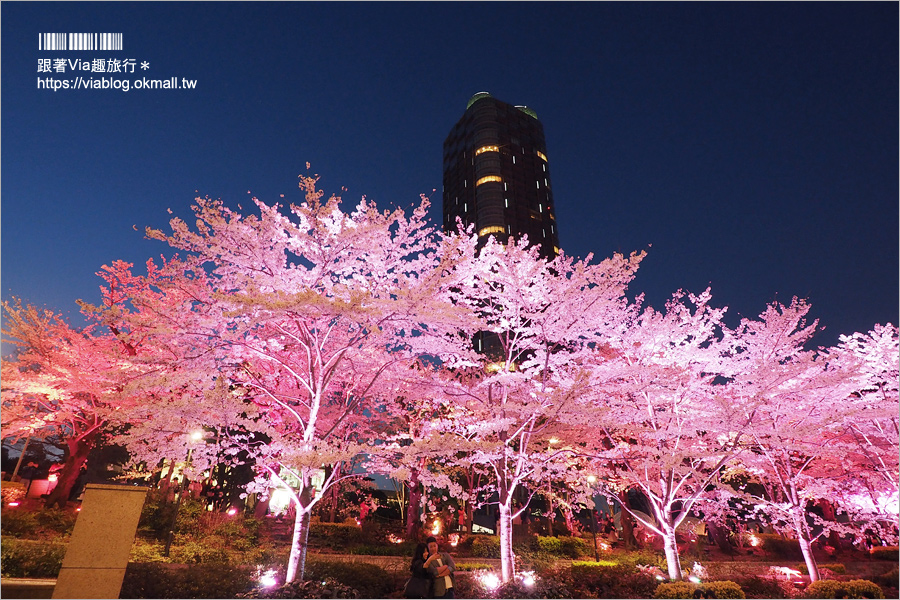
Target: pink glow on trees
x=654 y=419
x=307 y=315
x=64 y=383
x=545 y=317
x=799 y=402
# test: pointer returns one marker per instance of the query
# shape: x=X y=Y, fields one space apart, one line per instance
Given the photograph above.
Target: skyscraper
x=496 y=175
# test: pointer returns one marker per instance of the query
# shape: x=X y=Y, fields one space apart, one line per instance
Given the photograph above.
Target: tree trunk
x=627 y=524
x=719 y=536
x=673 y=561
x=300 y=539
x=803 y=537
x=78 y=450
x=262 y=507
x=414 y=498
x=507 y=558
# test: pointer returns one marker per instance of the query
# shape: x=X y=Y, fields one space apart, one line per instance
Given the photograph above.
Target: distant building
x=496 y=174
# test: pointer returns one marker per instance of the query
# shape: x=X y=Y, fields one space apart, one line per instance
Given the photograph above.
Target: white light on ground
x=267 y=579
x=489 y=580
x=232 y=511
x=528 y=578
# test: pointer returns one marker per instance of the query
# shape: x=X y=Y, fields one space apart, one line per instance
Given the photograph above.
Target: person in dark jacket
x=442 y=568
x=421 y=582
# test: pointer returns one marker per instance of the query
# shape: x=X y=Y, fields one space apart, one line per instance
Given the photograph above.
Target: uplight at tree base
x=488 y=580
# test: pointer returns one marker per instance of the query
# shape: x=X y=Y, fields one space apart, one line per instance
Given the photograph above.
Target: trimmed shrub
x=676 y=589
x=335 y=535
x=882 y=552
x=755 y=586
x=607 y=579
x=404 y=549
x=484 y=546
x=723 y=589
x=37 y=524
x=158 y=580
x=888 y=579
x=856 y=588
x=189 y=551
x=33 y=559
x=565 y=546
x=472 y=566
x=684 y=589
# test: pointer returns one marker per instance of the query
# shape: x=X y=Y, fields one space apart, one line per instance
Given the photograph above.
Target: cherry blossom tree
x=799 y=404
x=655 y=419
x=64 y=383
x=874 y=423
x=535 y=321
x=307 y=316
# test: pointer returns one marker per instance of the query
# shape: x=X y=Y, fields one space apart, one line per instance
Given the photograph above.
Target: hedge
x=856 y=588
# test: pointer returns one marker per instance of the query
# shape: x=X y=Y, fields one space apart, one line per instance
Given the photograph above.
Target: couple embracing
x=433 y=572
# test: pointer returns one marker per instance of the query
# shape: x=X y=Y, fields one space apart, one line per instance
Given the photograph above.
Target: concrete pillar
x=98 y=551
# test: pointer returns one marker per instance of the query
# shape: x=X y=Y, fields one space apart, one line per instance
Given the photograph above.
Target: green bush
x=189 y=551
x=484 y=546
x=676 y=589
x=371 y=580
x=335 y=535
x=37 y=524
x=888 y=579
x=683 y=589
x=856 y=588
x=607 y=579
x=723 y=589
x=838 y=568
x=33 y=559
x=472 y=566
x=158 y=580
x=885 y=552
x=404 y=549
x=780 y=547
x=144 y=551
x=564 y=546
x=755 y=586
x=327 y=588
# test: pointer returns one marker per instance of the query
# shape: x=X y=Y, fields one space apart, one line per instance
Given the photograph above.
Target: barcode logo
x=79 y=41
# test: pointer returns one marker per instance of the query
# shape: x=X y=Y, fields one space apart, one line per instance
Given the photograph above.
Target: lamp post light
x=593 y=516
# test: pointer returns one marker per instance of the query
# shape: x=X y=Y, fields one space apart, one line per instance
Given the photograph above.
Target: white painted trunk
x=802 y=532
x=299 y=542
x=507 y=558
x=673 y=562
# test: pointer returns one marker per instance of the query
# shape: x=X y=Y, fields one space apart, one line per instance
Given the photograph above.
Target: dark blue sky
x=755 y=146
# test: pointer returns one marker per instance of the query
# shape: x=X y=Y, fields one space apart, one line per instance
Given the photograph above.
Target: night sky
x=751 y=147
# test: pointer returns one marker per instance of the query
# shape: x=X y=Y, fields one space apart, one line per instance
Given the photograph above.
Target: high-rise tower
x=496 y=175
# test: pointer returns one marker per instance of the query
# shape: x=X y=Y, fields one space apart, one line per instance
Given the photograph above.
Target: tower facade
x=496 y=174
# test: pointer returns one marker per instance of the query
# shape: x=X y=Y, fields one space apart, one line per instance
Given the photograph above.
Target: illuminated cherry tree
x=798 y=400
x=534 y=321
x=307 y=314
x=655 y=420
x=64 y=383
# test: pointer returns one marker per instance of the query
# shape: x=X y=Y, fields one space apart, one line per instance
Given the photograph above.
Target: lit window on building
x=556 y=249
x=489 y=230
x=542 y=155
x=514 y=160
x=488 y=179
x=484 y=149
